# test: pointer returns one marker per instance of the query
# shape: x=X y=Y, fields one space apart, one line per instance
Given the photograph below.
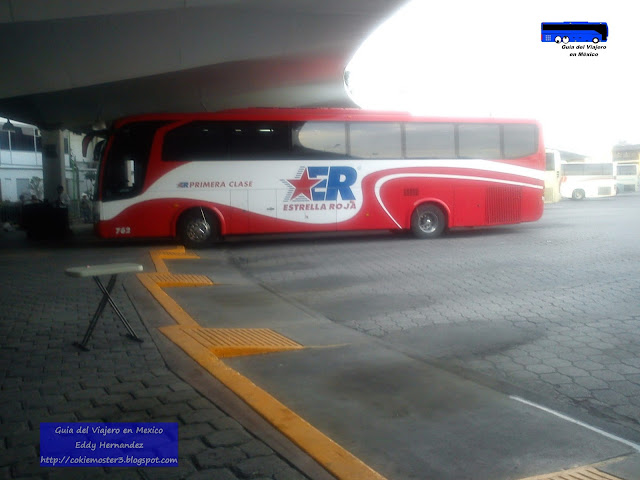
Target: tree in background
x=36 y=187
x=91 y=177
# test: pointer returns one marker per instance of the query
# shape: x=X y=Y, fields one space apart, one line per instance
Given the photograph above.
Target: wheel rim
x=428 y=222
x=198 y=230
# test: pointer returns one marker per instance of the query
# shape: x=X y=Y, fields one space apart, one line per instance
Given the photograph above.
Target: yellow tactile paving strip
x=166 y=280
x=582 y=473
x=208 y=345
x=233 y=342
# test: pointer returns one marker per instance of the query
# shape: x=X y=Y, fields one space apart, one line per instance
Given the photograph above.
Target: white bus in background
x=587 y=180
x=552 y=176
x=627 y=177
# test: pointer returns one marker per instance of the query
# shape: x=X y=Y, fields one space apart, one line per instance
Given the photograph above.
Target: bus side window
x=430 y=140
x=375 y=140
x=319 y=140
x=260 y=140
x=478 y=141
x=519 y=140
x=196 y=141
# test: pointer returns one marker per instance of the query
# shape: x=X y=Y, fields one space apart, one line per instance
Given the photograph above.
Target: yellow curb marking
x=169 y=304
x=338 y=461
x=154 y=282
x=158 y=257
x=582 y=473
x=233 y=342
x=206 y=345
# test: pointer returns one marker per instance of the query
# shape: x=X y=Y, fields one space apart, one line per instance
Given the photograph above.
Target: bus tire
x=428 y=221
x=198 y=228
x=595 y=40
x=578 y=194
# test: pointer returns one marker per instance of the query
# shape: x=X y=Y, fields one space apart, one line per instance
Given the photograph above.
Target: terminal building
x=21 y=169
x=626 y=153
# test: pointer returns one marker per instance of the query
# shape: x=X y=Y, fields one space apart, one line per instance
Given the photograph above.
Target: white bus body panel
x=592 y=187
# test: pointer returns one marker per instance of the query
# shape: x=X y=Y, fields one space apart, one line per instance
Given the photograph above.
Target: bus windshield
x=125 y=160
x=627 y=177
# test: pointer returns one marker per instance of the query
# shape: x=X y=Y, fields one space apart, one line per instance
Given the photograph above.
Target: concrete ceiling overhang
x=69 y=64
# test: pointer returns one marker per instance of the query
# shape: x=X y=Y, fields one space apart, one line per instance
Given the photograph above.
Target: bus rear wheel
x=578 y=194
x=428 y=221
x=197 y=228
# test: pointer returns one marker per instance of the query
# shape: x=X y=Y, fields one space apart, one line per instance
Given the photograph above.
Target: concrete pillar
x=53 y=169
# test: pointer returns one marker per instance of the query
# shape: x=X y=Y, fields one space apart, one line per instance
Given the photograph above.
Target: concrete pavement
x=402 y=417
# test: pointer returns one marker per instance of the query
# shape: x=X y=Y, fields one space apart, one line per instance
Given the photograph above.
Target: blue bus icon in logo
x=566 y=32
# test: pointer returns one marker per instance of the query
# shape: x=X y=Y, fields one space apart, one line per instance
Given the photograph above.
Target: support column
x=53 y=168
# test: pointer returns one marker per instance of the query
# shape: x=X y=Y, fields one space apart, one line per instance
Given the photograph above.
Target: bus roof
x=306 y=114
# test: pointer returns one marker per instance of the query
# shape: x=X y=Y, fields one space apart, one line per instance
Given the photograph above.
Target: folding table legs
x=106 y=297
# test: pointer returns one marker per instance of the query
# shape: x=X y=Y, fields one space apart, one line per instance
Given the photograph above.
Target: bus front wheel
x=578 y=194
x=428 y=221
x=197 y=228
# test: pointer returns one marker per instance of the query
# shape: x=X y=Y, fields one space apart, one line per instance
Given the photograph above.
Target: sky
x=486 y=58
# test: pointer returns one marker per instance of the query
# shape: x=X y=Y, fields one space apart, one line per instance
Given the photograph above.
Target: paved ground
x=549 y=308
x=546 y=311
x=43 y=378
x=543 y=311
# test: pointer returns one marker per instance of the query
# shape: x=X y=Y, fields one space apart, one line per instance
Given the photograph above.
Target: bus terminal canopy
x=78 y=65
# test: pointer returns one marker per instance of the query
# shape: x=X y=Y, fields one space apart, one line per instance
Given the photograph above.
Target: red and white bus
x=201 y=176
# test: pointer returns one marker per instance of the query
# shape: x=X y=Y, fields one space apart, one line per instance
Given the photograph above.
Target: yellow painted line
x=158 y=257
x=581 y=473
x=207 y=345
x=169 y=304
x=335 y=459
x=163 y=278
x=234 y=342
